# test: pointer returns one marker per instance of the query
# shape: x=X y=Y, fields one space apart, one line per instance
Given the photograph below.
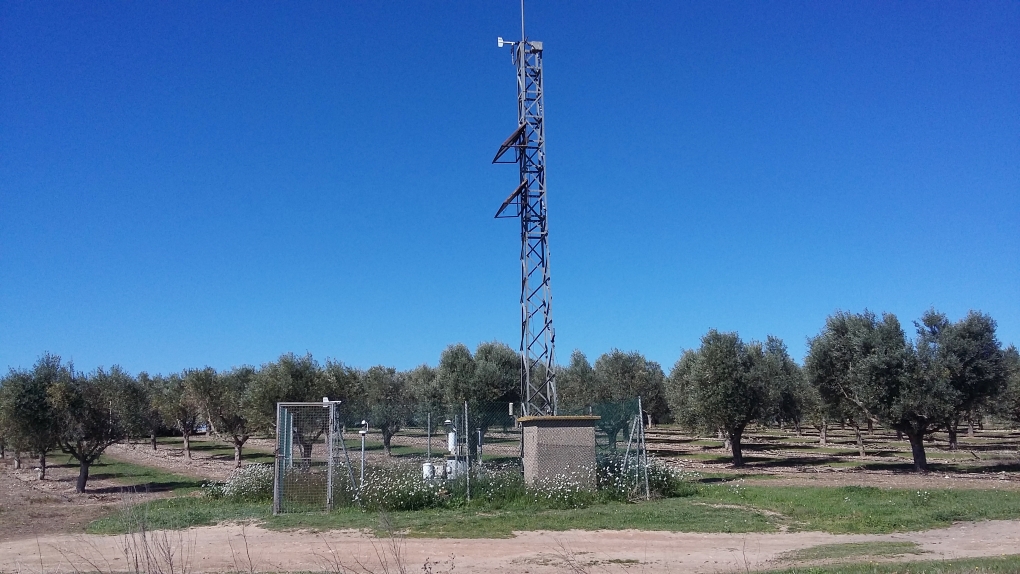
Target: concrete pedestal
x=559 y=449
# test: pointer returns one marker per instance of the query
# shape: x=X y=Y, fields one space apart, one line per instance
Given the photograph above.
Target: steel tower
x=528 y=202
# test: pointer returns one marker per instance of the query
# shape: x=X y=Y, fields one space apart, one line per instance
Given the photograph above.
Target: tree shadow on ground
x=147 y=487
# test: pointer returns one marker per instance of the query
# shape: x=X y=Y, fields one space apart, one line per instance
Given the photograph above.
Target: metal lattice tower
x=528 y=202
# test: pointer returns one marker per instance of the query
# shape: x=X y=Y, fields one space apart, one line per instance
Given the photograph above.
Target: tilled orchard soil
x=30 y=507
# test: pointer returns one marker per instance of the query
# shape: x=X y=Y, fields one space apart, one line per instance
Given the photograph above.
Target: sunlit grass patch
x=853 y=549
x=140 y=477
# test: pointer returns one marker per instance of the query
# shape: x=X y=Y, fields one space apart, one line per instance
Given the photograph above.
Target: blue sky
x=189 y=184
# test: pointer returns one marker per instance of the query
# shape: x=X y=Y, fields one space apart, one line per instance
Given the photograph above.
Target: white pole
x=363 y=432
x=330 y=463
x=278 y=469
x=644 y=448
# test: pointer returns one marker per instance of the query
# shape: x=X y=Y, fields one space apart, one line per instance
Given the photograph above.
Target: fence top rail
x=323 y=405
x=553 y=418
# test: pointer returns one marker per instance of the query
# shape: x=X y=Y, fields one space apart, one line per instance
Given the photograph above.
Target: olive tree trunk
x=917 y=450
x=83 y=476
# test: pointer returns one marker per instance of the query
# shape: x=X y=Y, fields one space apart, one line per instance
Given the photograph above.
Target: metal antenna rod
x=523 y=37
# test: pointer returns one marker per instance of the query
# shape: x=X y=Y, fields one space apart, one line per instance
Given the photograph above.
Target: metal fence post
x=467 y=454
x=330 y=453
x=277 y=470
x=479 y=431
x=644 y=448
x=363 y=432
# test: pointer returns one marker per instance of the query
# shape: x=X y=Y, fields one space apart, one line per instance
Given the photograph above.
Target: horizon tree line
x=860 y=369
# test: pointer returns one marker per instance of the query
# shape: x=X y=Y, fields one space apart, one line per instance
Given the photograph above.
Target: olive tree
x=1009 y=403
x=964 y=356
x=580 y=390
x=343 y=383
x=291 y=379
x=610 y=389
x=575 y=384
x=423 y=386
x=153 y=389
x=623 y=376
x=727 y=384
x=455 y=375
x=791 y=395
x=94 y=411
x=179 y=404
x=388 y=401
x=486 y=380
x=867 y=362
x=30 y=424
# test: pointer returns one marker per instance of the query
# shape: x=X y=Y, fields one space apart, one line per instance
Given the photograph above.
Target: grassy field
x=713 y=508
x=719 y=504
x=853 y=550
x=142 y=478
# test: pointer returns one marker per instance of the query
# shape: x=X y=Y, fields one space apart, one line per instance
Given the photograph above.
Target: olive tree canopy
x=94 y=411
x=29 y=421
x=726 y=384
x=867 y=362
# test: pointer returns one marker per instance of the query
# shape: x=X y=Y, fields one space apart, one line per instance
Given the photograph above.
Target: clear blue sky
x=217 y=183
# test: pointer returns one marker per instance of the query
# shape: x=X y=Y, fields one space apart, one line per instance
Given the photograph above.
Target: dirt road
x=253 y=549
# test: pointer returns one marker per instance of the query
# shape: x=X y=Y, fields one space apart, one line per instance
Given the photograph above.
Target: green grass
x=997 y=565
x=469 y=522
x=853 y=549
x=725 y=507
x=140 y=477
x=178 y=513
x=868 y=510
x=479 y=523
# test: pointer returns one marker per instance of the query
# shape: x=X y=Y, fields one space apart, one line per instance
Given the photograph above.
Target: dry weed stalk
x=389 y=555
x=144 y=551
x=569 y=559
x=251 y=565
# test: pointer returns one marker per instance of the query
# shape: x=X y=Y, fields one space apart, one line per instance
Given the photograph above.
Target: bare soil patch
x=30 y=507
x=248 y=548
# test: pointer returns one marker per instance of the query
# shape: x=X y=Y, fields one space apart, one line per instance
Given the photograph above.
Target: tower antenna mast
x=523 y=36
x=528 y=203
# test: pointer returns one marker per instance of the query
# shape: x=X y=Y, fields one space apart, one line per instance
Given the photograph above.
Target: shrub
x=401 y=487
x=671 y=482
x=250 y=483
x=614 y=482
x=398 y=488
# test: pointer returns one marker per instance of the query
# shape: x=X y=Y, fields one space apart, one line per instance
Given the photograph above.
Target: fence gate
x=312 y=467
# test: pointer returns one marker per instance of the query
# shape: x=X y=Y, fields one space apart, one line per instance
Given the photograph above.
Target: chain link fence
x=312 y=463
x=327 y=452
x=620 y=448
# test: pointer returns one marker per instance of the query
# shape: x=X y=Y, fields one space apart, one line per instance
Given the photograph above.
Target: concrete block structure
x=559 y=445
